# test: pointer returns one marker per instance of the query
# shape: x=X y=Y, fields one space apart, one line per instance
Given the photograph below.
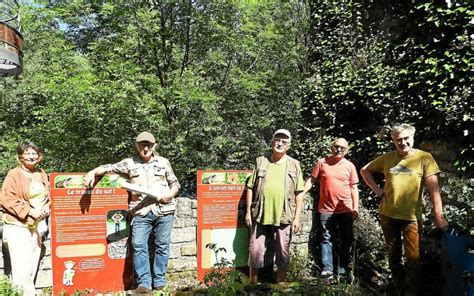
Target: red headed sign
x=89 y=234
x=221 y=219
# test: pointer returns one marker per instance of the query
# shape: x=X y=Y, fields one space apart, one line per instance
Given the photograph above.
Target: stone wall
x=183 y=258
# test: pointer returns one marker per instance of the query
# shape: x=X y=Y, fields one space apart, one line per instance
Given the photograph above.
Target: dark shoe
x=330 y=280
x=141 y=291
x=159 y=288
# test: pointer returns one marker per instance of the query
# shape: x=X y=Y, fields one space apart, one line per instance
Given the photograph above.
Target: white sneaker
x=326 y=273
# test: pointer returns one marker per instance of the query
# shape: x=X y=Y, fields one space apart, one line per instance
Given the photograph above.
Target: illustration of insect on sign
x=89 y=234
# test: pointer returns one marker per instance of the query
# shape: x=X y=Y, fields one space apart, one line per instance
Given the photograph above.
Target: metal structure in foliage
x=11 y=40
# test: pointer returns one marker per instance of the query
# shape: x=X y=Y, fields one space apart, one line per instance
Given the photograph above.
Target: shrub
x=223 y=279
x=7 y=287
x=301 y=266
x=458 y=203
x=370 y=263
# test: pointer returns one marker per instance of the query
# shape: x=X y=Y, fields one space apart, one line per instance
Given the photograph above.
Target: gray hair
x=403 y=127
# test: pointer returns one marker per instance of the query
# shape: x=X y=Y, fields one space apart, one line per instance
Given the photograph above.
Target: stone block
x=182 y=264
x=45 y=263
x=189 y=249
x=175 y=251
x=306 y=227
x=44 y=278
x=180 y=235
x=300 y=238
x=183 y=208
x=181 y=222
x=47 y=244
x=306 y=217
x=186 y=280
x=300 y=249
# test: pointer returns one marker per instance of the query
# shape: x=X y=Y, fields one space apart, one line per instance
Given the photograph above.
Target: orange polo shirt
x=335 y=180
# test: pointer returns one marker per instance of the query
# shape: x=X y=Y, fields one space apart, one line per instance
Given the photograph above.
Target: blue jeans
x=141 y=230
x=336 y=226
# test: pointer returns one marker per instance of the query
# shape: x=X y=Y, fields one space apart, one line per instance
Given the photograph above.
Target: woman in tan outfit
x=25 y=200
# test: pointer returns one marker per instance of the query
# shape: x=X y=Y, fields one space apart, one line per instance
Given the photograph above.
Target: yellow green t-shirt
x=274 y=192
x=404 y=179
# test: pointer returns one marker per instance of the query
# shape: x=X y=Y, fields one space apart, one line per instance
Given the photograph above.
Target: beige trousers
x=24 y=247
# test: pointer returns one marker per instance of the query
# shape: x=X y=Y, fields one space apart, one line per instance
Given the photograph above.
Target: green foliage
x=46 y=291
x=348 y=79
x=49 y=99
x=165 y=292
x=368 y=236
x=458 y=203
x=370 y=69
x=89 y=292
x=301 y=266
x=435 y=63
x=7 y=287
x=222 y=279
x=370 y=265
x=211 y=80
x=313 y=286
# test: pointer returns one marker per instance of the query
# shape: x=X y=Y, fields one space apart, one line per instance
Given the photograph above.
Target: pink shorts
x=260 y=239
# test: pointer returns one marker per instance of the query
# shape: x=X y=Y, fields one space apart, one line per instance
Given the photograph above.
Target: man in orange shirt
x=338 y=205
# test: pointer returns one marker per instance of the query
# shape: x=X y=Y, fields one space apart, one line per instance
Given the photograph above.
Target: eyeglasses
x=148 y=145
x=284 y=142
x=339 y=147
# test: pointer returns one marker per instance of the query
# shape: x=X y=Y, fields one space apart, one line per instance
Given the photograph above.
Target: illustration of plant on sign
x=223 y=279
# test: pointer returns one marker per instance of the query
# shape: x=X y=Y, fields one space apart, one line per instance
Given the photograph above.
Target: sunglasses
x=284 y=142
x=342 y=148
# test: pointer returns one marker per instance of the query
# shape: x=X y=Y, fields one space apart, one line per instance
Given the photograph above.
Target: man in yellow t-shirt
x=405 y=171
x=274 y=203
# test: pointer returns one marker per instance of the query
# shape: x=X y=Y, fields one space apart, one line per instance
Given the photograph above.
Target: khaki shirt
x=293 y=183
x=156 y=175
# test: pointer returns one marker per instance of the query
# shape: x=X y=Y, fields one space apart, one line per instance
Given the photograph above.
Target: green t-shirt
x=404 y=179
x=274 y=192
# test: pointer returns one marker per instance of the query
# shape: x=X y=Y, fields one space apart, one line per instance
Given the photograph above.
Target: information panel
x=221 y=219
x=89 y=233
